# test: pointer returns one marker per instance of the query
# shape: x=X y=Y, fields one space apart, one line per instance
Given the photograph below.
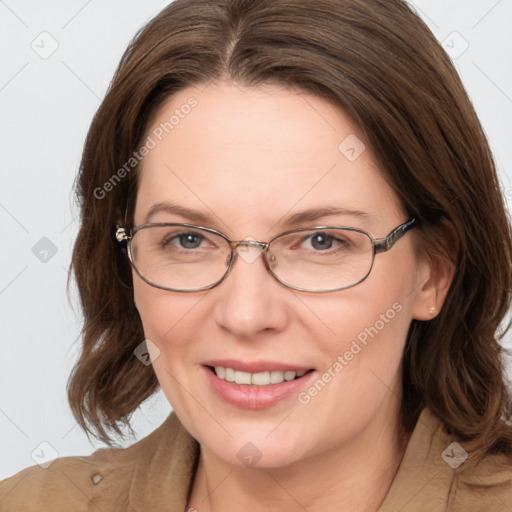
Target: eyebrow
x=290 y=221
x=193 y=215
x=316 y=213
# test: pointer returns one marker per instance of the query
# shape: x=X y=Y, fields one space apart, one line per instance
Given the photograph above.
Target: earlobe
x=433 y=289
x=437 y=272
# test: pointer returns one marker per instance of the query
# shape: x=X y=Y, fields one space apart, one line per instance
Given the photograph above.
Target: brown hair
x=378 y=61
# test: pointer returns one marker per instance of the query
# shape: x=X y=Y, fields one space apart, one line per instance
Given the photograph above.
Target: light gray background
x=46 y=105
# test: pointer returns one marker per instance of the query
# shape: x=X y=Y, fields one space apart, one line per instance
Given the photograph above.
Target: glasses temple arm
x=385 y=244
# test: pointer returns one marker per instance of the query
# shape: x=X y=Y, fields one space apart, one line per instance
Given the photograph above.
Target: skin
x=248 y=157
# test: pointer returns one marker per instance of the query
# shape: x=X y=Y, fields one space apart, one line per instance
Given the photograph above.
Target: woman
x=291 y=211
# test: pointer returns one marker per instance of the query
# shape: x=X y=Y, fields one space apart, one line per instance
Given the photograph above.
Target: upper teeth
x=257 y=379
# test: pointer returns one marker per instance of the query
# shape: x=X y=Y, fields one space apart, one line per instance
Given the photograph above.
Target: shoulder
x=487 y=482
x=66 y=480
x=102 y=480
x=438 y=474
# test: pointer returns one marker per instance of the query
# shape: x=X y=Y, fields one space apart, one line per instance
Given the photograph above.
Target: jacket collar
x=424 y=476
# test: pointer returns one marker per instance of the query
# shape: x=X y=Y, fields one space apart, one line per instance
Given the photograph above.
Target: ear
x=435 y=275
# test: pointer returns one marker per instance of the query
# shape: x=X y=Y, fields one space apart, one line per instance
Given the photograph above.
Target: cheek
x=361 y=357
x=165 y=315
x=354 y=319
x=367 y=328
x=170 y=325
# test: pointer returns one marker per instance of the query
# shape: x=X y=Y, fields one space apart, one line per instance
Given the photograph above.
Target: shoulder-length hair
x=379 y=62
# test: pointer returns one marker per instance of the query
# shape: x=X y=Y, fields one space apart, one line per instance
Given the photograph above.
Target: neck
x=355 y=476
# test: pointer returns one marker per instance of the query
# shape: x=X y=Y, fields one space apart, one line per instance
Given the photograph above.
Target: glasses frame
x=124 y=237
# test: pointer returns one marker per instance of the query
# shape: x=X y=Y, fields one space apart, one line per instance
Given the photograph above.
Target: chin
x=257 y=455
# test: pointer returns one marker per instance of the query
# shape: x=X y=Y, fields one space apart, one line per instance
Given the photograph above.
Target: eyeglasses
x=188 y=258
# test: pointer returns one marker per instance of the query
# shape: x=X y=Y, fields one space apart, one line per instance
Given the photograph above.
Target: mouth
x=266 y=385
x=264 y=378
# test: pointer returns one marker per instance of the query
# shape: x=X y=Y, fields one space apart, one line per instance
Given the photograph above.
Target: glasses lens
x=321 y=259
x=179 y=257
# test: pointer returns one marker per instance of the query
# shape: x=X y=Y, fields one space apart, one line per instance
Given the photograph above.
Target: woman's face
x=247 y=159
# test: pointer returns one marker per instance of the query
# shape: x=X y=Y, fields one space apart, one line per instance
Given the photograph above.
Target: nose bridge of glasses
x=249 y=242
x=249 y=249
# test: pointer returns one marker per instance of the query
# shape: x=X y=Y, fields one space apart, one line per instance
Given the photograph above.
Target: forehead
x=245 y=154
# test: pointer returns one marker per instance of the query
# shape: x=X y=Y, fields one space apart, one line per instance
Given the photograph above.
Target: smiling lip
x=253 y=397
x=256 y=366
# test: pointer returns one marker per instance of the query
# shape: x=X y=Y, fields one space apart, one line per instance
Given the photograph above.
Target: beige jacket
x=155 y=474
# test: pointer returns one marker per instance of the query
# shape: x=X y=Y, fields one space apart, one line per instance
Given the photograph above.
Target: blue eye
x=190 y=240
x=321 y=241
x=180 y=240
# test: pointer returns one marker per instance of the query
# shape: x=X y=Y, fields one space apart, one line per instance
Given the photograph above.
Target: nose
x=250 y=301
